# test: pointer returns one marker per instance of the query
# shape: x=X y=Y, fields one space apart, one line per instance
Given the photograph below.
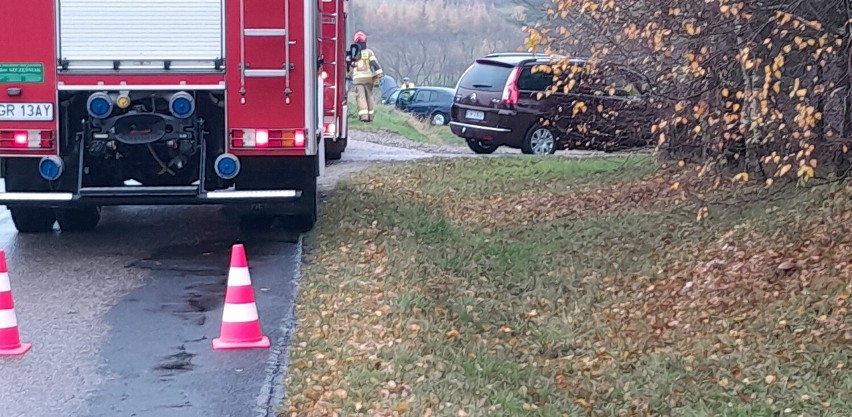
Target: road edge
x=272 y=393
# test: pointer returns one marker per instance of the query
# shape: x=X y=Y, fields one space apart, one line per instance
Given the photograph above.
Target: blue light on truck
x=182 y=105
x=50 y=168
x=99 y=105
x=227 y=166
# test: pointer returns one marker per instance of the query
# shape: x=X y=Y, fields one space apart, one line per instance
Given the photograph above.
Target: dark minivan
x=496 y=104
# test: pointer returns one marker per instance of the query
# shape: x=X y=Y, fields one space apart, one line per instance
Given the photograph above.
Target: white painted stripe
x=238 y=277
x=141 y=87
x=36 y=197
x=240 y=313
x=4 y=282
x=221 y=195
x=8 y=319
x=265 y=32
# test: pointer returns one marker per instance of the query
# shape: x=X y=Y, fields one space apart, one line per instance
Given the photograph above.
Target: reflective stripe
x=367 y=67
x=8 y=319
x=240 y=313
x=363 y=112
x=239 y=277
x=4 y=282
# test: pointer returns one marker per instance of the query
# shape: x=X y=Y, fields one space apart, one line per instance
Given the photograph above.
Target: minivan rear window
x=486 y=77
x=534 y=81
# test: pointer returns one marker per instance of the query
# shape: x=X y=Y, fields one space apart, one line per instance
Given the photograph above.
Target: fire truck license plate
x=26 y=112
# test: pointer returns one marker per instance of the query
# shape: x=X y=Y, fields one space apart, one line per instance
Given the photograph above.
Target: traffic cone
x=240 y=323
x=10 y=340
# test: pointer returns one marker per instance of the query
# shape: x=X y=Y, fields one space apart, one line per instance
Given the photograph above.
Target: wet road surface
x=121 y=318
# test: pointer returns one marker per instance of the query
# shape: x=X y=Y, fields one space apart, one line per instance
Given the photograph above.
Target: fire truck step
x=265 y=32
x=266 y=73
x=138 y=191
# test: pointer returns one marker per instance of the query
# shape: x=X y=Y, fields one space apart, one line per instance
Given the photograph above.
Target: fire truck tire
x=300 y=223
x=33 y=219
x=79 y=219
x=256 y=222
x=334 y=150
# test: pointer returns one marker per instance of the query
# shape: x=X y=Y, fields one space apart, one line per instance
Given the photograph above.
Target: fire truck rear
x=159 y=102
x=334 y=18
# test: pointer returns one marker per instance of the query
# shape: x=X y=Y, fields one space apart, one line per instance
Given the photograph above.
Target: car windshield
x=486 y=77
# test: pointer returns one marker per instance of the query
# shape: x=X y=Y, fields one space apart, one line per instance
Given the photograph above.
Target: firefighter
x=406 y=83
x=366 y=74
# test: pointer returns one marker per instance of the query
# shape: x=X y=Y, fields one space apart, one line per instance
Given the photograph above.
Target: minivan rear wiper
x=482 y=86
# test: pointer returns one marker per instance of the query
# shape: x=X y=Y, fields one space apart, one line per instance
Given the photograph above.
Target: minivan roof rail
x=521 y=54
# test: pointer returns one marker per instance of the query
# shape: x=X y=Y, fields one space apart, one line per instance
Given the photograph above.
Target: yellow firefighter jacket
x=367 y=69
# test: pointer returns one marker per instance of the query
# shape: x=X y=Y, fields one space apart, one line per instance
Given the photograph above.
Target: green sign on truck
x=21 y=73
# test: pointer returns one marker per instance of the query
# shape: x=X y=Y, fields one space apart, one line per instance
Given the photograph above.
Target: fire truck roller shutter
x=108 y=30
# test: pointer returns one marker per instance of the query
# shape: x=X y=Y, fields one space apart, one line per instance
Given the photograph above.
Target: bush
x=756 y=89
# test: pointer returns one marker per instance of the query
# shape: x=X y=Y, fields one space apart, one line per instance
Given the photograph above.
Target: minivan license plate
x=26 y=112
x=475 y=115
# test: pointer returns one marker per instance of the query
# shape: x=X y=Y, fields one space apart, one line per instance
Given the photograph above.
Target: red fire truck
x=160 y=102
x=334 y=53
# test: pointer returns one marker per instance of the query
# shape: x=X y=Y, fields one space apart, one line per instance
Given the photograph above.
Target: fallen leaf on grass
x=787 y=266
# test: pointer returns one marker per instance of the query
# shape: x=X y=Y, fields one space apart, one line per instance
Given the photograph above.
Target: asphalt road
x=121 y=318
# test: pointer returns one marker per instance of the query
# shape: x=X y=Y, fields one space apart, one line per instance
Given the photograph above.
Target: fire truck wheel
x=300 y=223
x=80 y=219
x=256 y=222
x=33 y=219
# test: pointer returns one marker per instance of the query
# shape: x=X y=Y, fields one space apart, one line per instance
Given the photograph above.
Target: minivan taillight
x=511 y=92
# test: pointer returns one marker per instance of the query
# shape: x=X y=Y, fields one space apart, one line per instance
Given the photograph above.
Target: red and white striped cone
x=240 y=322
x=10 y=339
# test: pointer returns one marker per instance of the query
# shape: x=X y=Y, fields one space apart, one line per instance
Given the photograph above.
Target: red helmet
x=360 y=37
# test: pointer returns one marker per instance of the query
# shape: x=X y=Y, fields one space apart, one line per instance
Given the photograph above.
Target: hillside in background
x=434 y=41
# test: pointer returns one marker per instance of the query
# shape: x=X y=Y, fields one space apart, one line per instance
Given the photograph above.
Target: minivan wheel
x=481 y=147
x=539 y=141
x=439 y=119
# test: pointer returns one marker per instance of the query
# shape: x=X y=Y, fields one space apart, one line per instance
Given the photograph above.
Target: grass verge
x=596 y=293
x=389 y=119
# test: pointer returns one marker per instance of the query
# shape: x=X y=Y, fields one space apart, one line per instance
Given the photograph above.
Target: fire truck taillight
x=267 y=139
x=300 y=139
x=330 y=129
x=27 y=139
x=21 y=139
x=261 y=138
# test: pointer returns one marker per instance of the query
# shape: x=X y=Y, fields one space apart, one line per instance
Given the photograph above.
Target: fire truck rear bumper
x=118 y=196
